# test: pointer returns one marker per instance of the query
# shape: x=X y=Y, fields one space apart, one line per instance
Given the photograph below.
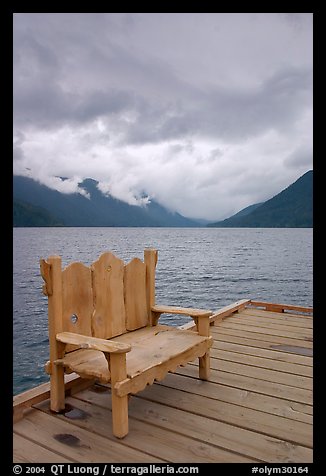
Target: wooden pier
x=256 y=406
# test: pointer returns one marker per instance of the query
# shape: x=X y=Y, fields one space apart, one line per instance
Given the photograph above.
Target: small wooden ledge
x=187 y=311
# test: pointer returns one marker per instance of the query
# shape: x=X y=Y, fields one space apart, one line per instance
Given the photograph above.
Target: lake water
x=197 y=267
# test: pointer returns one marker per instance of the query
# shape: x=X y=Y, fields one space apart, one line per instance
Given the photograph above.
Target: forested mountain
x=293 y=207
x=77 y=210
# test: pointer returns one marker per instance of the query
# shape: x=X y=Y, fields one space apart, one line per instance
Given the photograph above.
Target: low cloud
x=299 y=158
x=194 y=110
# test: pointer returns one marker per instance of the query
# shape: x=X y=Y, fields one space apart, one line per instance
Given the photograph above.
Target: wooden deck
x=257 y=405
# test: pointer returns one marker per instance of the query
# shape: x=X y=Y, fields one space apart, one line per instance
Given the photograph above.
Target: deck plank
x=169 y=445
x=256 y=406
x=270 y=354
x=243 y=382
x=260 y=334
x=247 y=399
x=248 y=443
x=81 y=445
x=259 y=340
x=26 y=451
x=276 y=376
x=269 y=323
x=305 y=319
x=266 y=330
x=267 y=424
x=274 y=365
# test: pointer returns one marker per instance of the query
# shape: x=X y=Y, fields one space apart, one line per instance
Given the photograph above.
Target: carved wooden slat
x=150 y=260
x=46 y=275
x=135 y=295
x=77 y=299
x=109 y=318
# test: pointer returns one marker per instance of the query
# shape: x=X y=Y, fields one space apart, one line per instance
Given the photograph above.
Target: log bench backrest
x=105 y=300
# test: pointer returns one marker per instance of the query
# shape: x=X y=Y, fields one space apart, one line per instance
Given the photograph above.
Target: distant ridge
x=291 y=208
x=25 y=214
x=38 y=205
x=247 y=210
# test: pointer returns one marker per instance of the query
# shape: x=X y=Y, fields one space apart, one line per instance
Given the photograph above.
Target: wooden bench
x=103 y=324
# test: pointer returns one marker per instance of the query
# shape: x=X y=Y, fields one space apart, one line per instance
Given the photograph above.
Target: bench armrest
x=188 y=311
x=200 y=316
x=87 y=342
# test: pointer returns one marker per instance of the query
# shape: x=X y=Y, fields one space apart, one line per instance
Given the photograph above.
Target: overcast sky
x=204 y=112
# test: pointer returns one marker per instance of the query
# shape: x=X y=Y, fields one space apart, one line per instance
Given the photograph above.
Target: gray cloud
x=301 y=157
x=210 y=100
x=18 y=141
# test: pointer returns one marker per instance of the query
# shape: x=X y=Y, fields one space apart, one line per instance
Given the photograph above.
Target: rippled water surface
x=197 y=267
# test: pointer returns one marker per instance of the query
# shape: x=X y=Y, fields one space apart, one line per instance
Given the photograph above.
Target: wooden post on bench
x=150 y=259
x=204 y=361
x=118 y=370
x=51 y=273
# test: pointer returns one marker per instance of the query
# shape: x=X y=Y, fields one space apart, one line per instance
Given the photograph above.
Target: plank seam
x=29 y=438
x=262 y=357
x=241 y=388
x=251 y=321
x=178 y=432
x=245 y=406
x=256 y=378
x=242 y=328
x=261 y=367
x=235 y=425
x=120 y=442
x=265 y=342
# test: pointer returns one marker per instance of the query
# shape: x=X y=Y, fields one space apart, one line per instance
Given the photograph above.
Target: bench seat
x=151 y=347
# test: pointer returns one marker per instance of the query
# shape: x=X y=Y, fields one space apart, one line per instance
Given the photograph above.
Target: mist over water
x=197 y=267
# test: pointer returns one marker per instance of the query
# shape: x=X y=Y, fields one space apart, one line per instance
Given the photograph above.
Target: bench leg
x=57 y=389
x=118 y=369
x=203 y=327
x=204 y=366
x=120 y=415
